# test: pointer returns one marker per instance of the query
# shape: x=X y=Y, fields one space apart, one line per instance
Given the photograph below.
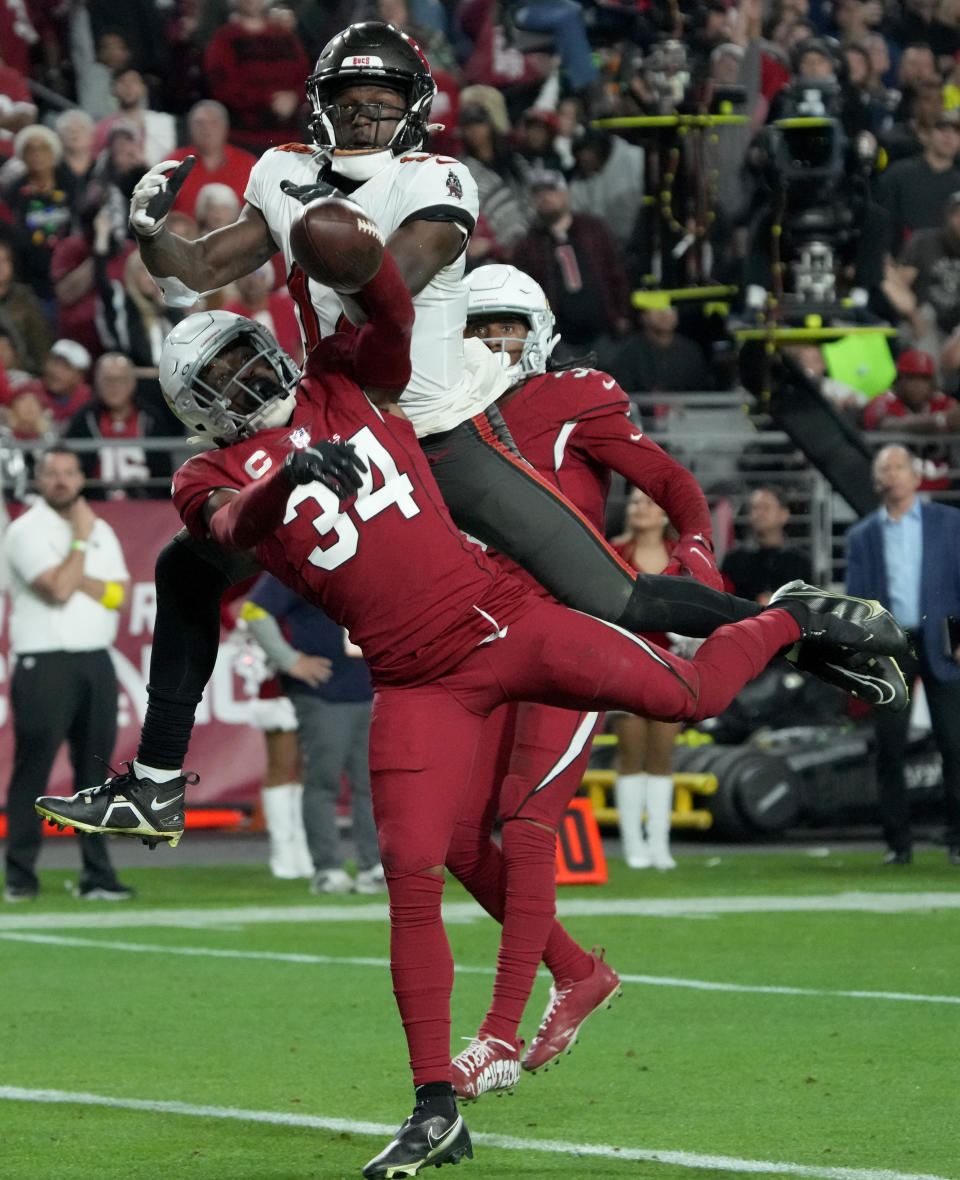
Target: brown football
x=334 y=242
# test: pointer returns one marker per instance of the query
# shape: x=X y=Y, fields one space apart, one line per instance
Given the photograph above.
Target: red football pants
x=424 y=739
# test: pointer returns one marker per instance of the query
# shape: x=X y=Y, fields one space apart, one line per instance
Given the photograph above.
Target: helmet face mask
x=225 y=376
x=505 y=291
x=377 y=55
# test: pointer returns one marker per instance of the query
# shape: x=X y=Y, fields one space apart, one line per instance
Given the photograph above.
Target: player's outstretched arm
x=208 y=262
x=241 y=520
x=616 y=442
x=377 y=356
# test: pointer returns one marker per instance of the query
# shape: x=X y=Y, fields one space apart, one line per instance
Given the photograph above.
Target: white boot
x=301 y=849
x=278 y=815
x=631 y=790
x=659 y=807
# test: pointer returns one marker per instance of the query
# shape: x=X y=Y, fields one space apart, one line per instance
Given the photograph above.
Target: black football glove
x=334 y=464
x=305 y=193
x=154 y=194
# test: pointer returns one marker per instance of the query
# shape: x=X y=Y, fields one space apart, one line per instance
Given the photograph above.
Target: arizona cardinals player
x=573 y=425
x=355 y=523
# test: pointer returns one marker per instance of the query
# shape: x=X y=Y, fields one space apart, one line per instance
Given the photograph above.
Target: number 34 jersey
x=389 y=564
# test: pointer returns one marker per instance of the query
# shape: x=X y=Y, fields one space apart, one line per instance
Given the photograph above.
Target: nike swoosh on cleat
x=433 y=1144
x=155 y=806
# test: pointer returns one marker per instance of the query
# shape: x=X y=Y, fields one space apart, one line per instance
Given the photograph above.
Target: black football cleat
x=123 y=806
x=425 y=1138
x=871 y=678
x=840 y=620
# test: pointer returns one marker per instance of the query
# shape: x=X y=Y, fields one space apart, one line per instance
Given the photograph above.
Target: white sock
x=659 y=808
x=631 y=794
x=155 y=773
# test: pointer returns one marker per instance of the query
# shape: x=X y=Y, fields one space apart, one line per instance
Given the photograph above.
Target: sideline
x=60 y=940
x=684 y=1159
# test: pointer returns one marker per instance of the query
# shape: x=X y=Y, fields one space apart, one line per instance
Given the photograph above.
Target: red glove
x=693 y=557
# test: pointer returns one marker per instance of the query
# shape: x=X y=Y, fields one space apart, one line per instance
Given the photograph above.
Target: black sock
x=436 y=1098
x=166 y=731
x=683 y=605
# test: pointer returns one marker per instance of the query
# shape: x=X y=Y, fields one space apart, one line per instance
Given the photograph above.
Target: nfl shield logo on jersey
x=300 y=438
x=454 y=187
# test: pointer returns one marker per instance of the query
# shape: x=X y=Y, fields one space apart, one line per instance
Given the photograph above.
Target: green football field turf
x=781 y=1015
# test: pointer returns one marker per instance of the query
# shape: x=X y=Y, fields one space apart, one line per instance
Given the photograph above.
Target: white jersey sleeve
x=412 y=187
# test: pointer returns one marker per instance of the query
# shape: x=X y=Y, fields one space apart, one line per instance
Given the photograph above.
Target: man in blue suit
x=907 y=554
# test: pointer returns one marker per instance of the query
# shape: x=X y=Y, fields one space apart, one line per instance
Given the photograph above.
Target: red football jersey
x=574 y=427
x=389 y=565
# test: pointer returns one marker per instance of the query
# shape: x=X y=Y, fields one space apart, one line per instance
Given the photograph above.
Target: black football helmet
x=372 y=53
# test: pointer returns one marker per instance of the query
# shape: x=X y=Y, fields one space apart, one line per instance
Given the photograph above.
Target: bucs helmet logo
x=454 y=187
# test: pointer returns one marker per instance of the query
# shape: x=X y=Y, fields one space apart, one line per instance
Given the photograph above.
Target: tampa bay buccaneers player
x=330 y=491
x=371 y=92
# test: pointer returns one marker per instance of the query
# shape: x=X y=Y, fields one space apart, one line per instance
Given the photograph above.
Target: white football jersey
x=446 y=386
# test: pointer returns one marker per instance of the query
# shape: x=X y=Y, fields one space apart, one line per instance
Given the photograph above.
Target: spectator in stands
x=156 y=131
x=499 y=171
x=151 y=320
x=218 y=162
x=10 y=363
x=217 y=205
x=272 y=308
x=657 y=358
x=865 y=87
x=917 y=65
x=27 y=418
x=96 y=58
x=76 y=130
x=120 y=471
x=916 y=406
x=333 y=709
x=17 y=108
x=910 y=137
x=573 y=257
x=915 y=191
x=39 y=207
x=931 y=265
x=498 y=61
x=65 y=373
x=432 y=40
x=907 y=554
x=608 y=181
x=121 y=164
x=755 y=569
x=256 y=66
x=67 y=582
x=74 y=266
x=534 y=136
x=22 y=314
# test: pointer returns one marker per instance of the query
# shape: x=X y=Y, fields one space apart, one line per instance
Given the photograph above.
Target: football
x=336 y=243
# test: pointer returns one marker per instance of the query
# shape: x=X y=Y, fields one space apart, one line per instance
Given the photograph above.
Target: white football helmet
x=498 y=288
x=245 y=404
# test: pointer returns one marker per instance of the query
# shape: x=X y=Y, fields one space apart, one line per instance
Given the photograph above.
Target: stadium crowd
x=91 y=96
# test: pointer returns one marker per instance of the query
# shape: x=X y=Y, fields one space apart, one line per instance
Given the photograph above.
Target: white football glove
x=155 y=193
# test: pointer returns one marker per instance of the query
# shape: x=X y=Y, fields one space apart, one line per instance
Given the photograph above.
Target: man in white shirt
x=67 y=581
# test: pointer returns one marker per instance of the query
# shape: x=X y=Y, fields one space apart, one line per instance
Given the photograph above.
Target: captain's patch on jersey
x=454 y=187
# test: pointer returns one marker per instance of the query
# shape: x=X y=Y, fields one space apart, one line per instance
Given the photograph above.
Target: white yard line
x=103 y=944
x=683 y=1159
x=125 y=915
